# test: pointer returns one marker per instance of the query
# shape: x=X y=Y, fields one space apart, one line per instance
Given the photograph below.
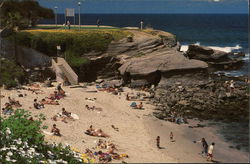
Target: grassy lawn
x=73 y=27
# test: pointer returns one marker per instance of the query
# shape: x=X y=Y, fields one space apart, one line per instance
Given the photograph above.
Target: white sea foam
x=184 y=48
x=226 y=49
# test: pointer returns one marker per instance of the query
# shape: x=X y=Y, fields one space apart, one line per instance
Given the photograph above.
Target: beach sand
x=137 y=128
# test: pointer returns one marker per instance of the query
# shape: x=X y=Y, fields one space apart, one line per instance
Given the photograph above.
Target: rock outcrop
x=203 y=99
x=156 y=56
x=213 y=57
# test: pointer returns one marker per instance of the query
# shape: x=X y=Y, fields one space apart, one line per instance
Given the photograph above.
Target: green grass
x=73 y=27
x=74 y=43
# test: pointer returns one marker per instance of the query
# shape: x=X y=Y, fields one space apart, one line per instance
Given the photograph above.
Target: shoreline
x=137 y=128
x=185 y=136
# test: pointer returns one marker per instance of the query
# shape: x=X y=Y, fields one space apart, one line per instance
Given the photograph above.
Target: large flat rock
x=163 y=60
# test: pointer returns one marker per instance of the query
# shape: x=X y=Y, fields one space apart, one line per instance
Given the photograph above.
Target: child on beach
x=171 y=136
x=210 y=152
x=158 y=142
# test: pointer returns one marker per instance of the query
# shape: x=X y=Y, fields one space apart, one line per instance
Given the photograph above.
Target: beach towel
x=48 y=133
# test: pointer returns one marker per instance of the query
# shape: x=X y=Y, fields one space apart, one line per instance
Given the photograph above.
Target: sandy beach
x=137 y=128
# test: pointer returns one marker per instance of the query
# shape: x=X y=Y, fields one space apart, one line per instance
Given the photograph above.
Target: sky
x=150 y=6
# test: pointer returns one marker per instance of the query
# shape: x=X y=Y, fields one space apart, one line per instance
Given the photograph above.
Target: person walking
x=68 y=24
x=204 y=147
x=210 y=152
x=98 y=22
x=158 y=142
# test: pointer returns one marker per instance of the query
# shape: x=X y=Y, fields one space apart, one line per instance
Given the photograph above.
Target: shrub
x=9 y=72
x=23 y=142
x=74 y=60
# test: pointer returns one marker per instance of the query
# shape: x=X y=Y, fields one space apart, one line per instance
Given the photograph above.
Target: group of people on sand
x=207 y=151
x=64 y=116
x=51 y=100
x=8 y=107
x=171 y=136
x=106 y=152
x=95 y=132
x=109 y=89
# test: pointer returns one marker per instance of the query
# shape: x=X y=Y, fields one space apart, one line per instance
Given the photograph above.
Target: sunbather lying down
x=131 y=98
x=93 y=108
x=49 y=102
x=90 y=99
x=96 y=132
x=12 y=101
x=135 y=106
x=35 y=90
x=8 y=109
x=34 y=85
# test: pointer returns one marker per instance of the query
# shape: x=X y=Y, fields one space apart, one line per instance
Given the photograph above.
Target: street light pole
x=79 y=12
x=56 y=15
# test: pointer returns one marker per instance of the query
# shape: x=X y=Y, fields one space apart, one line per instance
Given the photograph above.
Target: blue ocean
x=227 y=32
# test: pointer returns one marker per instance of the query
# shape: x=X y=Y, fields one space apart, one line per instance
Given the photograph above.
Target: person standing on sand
x=171 y=136
x=210 y=152
x=158 y=142
x=204 y=146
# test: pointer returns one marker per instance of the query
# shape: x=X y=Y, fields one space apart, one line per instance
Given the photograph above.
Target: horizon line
x=163 y=13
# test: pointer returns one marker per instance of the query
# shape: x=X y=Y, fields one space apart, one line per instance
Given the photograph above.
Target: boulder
x=157 y=63
x=216 y=58
x=205 y=53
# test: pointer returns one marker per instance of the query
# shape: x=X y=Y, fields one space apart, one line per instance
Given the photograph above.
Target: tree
x=22 y=13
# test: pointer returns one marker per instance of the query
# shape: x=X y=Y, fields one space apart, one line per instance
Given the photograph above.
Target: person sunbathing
x=55 y=130
x=8 y=109
x=93 y=108
x=89 y=153
x=49 y=102
x=36 y=90
x=34 y=85
x=115 y=128
x=140 y=106
x=68 y=114
x=90 y=99
x=14 y=102
x=54 y=96
x=37 y=105
x=95 y=132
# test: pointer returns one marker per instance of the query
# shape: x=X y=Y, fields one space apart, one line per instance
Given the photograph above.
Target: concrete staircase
x=62 y=70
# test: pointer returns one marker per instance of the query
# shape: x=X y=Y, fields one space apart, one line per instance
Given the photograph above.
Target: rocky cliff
x=148 y=55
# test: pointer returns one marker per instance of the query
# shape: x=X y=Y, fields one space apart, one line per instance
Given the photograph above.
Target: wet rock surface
x=203 y=99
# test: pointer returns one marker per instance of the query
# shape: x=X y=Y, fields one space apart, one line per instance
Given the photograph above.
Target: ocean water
x=226 y=32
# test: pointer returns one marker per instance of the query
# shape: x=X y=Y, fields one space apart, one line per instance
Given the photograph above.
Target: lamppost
x=79 y=12
x=56 y=14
